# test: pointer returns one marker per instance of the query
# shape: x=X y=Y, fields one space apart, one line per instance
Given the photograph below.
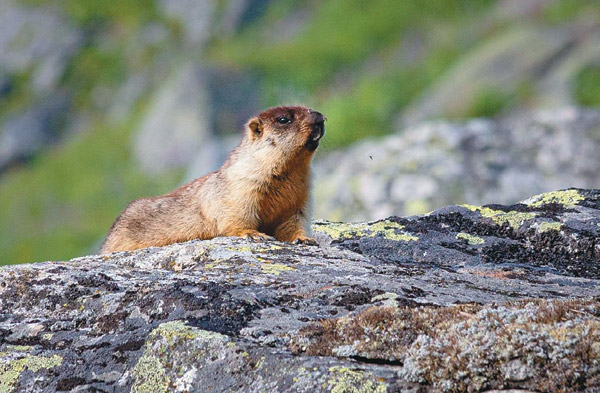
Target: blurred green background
x=102 y=101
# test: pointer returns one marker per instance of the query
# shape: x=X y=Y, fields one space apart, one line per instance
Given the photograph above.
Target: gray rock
x=515 y=370
x=177 y=122
x=210 y=156
x=465 y=298
x=533 y=64
x=501 y=63
x=23 y=134
x=237 y=13
x=195 y=16
x=36 y=38
x=36 y=44
x=439 y=163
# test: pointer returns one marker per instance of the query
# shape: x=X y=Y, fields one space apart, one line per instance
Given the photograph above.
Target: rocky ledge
x=466 y=298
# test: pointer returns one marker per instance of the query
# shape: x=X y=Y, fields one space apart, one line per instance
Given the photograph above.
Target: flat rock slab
x=466 y=298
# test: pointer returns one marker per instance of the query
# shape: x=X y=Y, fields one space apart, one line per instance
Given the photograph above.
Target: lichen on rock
x=157 y=371
x=471 y=239
x=461 y=299
x=564 y=197
x=385 y=228
x=513 y=218
x=540 y=344
x=346 y=380
x=13 y=364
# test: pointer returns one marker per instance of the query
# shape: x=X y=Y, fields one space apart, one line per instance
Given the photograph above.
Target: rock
x=36 y=44
x=211 y=156
x=467 y=298
x=534 y=64
x=39 y=39
x=238 y=13
x=439 y=163
x=195 y=17
x=23 y=134
x=177 y=123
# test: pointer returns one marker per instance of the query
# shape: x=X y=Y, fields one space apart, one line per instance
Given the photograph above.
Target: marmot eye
x=283 y=120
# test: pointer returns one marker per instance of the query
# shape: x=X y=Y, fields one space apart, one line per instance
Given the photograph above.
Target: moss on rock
x=150 y=376
x=274 y=268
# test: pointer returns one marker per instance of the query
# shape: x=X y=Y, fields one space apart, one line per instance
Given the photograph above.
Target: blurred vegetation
x=340 y=37
x=17 y=92
x=129 y=14
x=63 y=203
x=566 y=10
x=587 y=86
x=358 y=62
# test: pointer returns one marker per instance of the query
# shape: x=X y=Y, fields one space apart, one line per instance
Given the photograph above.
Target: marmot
x=262 y=191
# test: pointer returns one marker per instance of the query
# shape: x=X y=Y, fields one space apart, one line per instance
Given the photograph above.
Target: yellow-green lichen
x=275 y=268
x=346 y=380
x=471 y=239
x=19 y=348
x=150 y=373
x=240 y=248
x=268 y=247
x=388 y=229
x=513 y=218
x=565 y=198
x=385 y=296
x=179 y=330
x=549 y=226
x=173 y=330
x=11 y=370
x=150 y=376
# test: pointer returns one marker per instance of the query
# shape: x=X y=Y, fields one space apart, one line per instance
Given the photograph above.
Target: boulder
x=533 y=64
x=37 y=39
x=195 y=18
x=438 y=163
x=177 y=123
x=23 y=134
x=36 y=45
x=466 y=298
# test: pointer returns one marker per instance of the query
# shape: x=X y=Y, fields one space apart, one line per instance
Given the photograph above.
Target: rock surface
x=542 y=60
x=175 y=127
x=467 y=298
x=441 y=163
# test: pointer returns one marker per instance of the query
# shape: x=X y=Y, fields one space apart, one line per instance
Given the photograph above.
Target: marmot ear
x=255 y=126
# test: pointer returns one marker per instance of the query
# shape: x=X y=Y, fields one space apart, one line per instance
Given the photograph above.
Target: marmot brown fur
x=261 y=192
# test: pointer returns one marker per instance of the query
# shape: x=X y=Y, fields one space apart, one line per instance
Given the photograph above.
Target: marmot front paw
x=306 y=240
x=256 y=236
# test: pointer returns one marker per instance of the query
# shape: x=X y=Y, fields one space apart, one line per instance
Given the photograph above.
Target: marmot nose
x=317 y=117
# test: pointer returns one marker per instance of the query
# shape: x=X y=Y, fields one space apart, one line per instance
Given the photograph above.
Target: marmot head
x=290 y=128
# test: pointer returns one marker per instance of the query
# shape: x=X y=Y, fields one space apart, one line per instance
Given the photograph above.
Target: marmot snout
x=262 y=191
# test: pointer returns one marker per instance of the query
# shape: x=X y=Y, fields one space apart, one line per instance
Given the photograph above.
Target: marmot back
x=261 y=192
